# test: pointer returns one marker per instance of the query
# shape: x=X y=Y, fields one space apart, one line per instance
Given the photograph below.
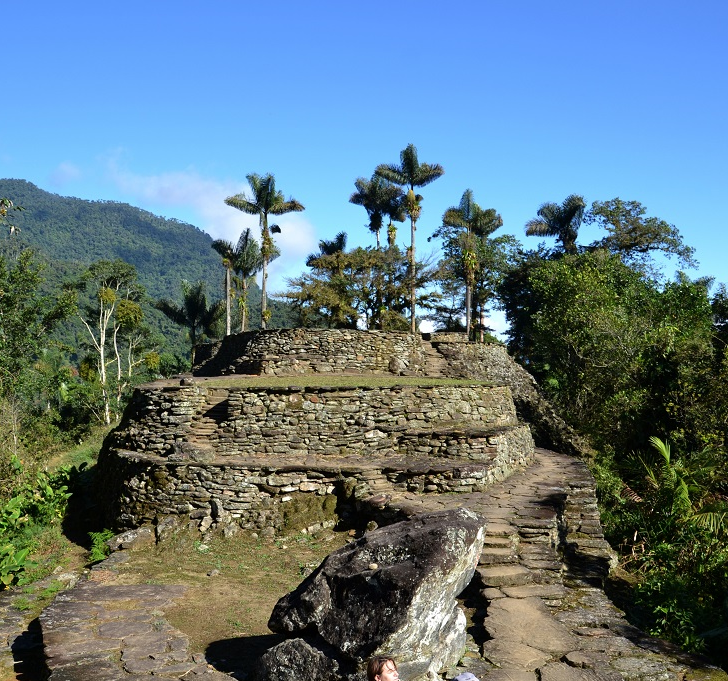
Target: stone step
x=497 y=556
x=505 y=575
x=500 y=530
x=497 y=542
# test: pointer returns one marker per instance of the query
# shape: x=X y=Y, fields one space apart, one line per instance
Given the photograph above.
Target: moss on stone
x=304 y=510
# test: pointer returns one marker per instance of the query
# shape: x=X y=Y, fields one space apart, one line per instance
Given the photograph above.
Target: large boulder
x=391 y=592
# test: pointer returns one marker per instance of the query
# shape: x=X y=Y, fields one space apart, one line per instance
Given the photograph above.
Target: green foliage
x=7 y=206
x=12 y=517
x=635 y=237
x=465 y=233
x=99 y=548
x=617 y=353
x=195 y=314
x=116 y=337
x=248 y=262
x=26 y=316
x=265 y=200
x=13 y=562
x=40 y=503
x=656 y=508
x=562 y=221
x=411 y=173
x=70 y=230
x=379 y=198
x=369 y=286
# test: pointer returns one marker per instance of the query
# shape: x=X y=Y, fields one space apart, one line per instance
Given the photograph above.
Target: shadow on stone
x=27 y=649
x=239 y=656
x=82 y=515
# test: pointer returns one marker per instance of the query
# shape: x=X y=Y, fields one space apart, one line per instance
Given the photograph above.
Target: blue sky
x=168 y=105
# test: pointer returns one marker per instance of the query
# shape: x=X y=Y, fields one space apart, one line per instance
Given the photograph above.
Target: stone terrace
x=219 y=452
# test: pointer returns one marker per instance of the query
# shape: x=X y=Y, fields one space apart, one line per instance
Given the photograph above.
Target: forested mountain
x=72 y=232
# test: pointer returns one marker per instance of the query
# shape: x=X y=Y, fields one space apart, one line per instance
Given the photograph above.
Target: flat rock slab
x=541 y=590
x=509 y=655
x=505 y=575
x=557 y=671
x=87 y=625
x=497 y=542
x=510 y=675
x=497 y=556
x=501 y=529
x=528 y=621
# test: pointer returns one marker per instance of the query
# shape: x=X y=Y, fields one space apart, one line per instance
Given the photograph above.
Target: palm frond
x=428 y=173
x=281 y=207
x=453 y=217
x=171 y=310
x=392 y=173
x=713 y=521
x=242 y=203
x=628 y=493
x=538 y=227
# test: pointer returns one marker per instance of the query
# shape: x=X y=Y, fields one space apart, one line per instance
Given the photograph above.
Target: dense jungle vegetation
x=632 y=359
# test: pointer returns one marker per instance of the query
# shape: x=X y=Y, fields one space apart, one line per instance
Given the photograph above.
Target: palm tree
x=248 y=262
x=472 y=222
x=336 y=245
x=562 y=221
x=333 y=252
x=379 y=198
x=674 y=490
x=194 y=313
x=411 y=173
x=227 y=252
x=266 y=200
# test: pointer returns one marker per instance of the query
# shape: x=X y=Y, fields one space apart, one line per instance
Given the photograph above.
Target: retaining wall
x=306 y=351
x=137 y=488
x=296 y=421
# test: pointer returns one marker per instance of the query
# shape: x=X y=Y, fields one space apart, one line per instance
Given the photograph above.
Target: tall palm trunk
x=413 y=275
x=265 y=250
x=228 y=296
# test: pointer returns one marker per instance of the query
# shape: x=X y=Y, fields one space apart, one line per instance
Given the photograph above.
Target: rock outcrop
x=393 y=589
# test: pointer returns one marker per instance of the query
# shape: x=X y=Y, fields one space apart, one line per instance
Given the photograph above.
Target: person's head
x=381 y=668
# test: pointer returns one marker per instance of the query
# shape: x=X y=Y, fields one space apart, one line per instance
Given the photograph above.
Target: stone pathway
x=536 y=603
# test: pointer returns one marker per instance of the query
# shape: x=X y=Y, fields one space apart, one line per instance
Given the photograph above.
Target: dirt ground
x=232 y=586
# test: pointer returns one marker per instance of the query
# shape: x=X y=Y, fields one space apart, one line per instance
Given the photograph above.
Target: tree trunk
x=263 y=290
x=413 y=318
x=227 y=301
x=468 y=308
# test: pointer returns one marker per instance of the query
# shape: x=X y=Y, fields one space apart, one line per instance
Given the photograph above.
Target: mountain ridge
x=77 y=232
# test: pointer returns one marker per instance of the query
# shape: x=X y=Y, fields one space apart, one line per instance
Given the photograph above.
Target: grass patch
x=86 y=451
x=232 y=584
x=51 y=549
x=329 y=380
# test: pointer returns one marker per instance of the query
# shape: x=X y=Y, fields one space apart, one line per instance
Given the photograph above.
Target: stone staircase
x=206 y=424
x=436 y=366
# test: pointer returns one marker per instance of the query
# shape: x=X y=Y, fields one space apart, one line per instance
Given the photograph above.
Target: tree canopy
x=265 y=200
x=409 y=172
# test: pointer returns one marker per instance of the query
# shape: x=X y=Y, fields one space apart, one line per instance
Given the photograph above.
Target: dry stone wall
x=297 y=421
x=491 y=362
x=304 y=351
x=230 y=455
x=270 y=499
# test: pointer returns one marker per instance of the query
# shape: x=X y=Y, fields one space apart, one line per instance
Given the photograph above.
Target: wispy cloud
x=204 y=198
x=65 y=173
